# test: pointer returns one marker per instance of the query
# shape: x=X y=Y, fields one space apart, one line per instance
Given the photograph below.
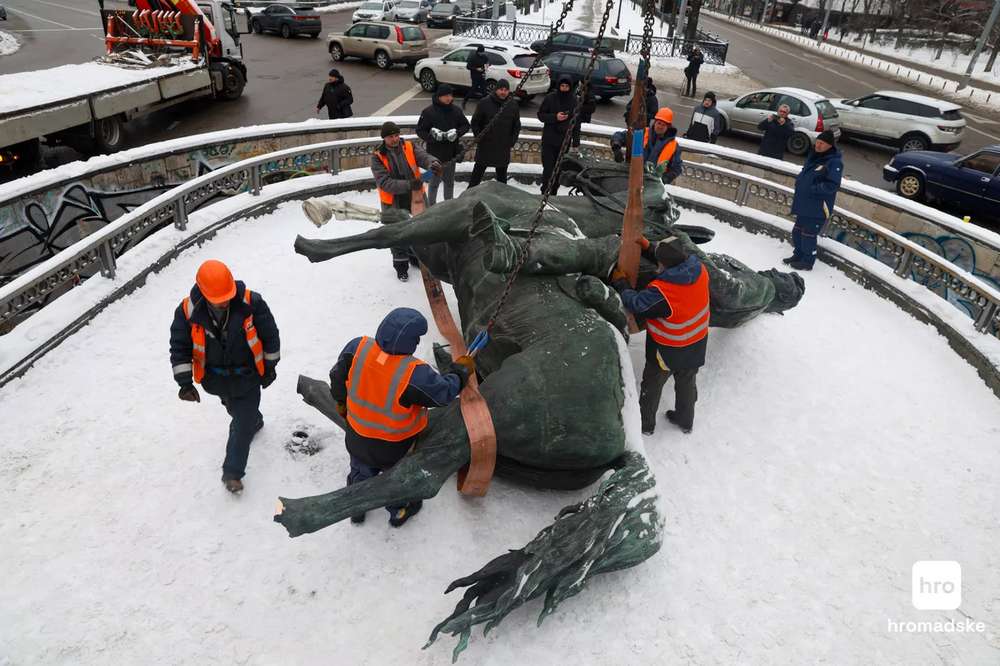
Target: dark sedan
x=443 y=15
x=610 y=78
x=286 y=21
x=969 y=185
x=580 y=42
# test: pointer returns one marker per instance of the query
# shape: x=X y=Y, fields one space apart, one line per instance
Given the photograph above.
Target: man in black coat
x=476 y=64
x=442 y=126
x=777 y=129
x=652 y=103
x=493 y=149
x=336 y=97
x=555 y=112
x=224 y=337
x=695 y=61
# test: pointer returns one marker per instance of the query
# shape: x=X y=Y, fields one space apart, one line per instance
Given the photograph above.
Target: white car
x=811 y=112
x=381 y=10
x=905 y=120
x=505 y=62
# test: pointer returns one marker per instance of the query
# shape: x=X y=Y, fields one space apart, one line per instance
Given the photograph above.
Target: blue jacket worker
x=383 y=393
x=224 y=337
x=675 y=306
x=816 y=189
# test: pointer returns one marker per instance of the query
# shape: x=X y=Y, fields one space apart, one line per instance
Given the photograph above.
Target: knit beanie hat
x=669 y=252
x=389 y=128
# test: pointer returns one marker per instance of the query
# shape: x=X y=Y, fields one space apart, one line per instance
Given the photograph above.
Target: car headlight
x=950 y=130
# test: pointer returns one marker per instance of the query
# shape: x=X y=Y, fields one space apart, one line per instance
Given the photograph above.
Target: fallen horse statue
x=556 y=376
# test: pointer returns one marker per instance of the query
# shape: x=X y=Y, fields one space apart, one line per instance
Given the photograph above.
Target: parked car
x=505 y=62
x=381 y=10
x=970 y=184
x=572 y=41
x=442 y=15
x=286 y=21
x=412 y=11
x=384 y=43
x=905 y=120
x=811 y=112
x=610 y=78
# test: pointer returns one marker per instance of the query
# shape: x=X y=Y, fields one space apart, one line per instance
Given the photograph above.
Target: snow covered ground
x=834 y=447
x=8 y=43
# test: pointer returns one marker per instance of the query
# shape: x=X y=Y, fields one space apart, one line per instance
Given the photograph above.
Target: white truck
x=158 y=55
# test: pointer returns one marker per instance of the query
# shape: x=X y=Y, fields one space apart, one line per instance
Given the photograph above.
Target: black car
x=610 y=78
x=968 y=185
x=572 y=41
x=443 y=15
x=286 y=21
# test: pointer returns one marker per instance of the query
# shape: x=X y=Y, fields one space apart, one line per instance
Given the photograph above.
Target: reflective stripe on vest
x=375 y=384
x=411 y=158
x=666 y=152
x=198 y=341
x=690 y=312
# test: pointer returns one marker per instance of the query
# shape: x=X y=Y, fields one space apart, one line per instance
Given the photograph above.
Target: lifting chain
x=645 y=49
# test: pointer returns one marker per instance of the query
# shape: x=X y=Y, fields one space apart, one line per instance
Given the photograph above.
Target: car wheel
x=491 y=86
x=798 y=144
x=910 y=185
x=286 y=32
x=723 y=126
x=336 y=52
x=428 y=81
x=255 y=26
x=913 y=142
x=383 y=60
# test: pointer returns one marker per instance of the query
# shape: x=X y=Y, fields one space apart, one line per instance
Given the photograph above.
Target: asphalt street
x=286 y=76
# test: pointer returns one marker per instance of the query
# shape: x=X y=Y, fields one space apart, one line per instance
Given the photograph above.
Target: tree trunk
x=993 y=55
x=691 y=31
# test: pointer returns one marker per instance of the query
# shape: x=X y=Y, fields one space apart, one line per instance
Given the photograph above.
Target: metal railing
x=516 y=31
x=715 y=52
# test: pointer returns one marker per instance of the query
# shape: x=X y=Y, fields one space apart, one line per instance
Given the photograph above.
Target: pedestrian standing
x=778 y=129
x=476 y=64
x=224 y=337
x=675 y=307
x=816 y=189
x=442 y=126
x=396 y=165
x=555 y=112
x=383 y=393
x=695 y=60
x=494 y=146
x=587 y=108
x=336 y=97
x=705 y=121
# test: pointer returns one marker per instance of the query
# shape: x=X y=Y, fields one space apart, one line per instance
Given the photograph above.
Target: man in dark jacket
x=336 y=97
x=224 y=337
x=555 y=112
x=816 y=189
x=493 y=149
x=777 y=129
x=675 y=306
x=395 y=165
x=383 y=393
x=442 y=126
x=476 y=64
x=652 y=103
x=695 y=60
x=705 y=121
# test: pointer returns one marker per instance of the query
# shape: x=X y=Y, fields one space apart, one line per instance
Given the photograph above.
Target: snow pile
x=339 y=7
x=824 y=462
x=8 y=43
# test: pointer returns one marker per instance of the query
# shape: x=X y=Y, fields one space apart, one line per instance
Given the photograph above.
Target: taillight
x=819 y=121
x=611 y=79
x=516 y=73
x=399 y=35
x=306 y=18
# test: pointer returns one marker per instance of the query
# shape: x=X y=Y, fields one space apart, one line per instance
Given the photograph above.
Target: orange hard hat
x=665 y=114
x=215 y=281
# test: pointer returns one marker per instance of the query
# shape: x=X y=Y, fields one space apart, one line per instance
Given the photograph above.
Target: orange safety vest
x=689 y=312
x=198 y=340
x=668 y=150
x=374 y=386
x=387 y=197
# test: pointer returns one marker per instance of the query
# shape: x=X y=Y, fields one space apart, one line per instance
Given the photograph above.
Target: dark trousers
x=478 y=88
x=246 y=421
x=401 y=256
x=479 y=170
x=362 y=472
x=804 y=235
x=550 y=155
x=691 y=87
x=654 y=377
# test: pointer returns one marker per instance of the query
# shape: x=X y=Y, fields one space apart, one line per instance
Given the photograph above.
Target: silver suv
x=905 y=120
x=385 y=43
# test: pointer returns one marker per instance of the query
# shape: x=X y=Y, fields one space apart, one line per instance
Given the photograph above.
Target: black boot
x=788 y=260
x=800 y=265
x=358 y=519
x=672 y=417
x=402 y=515
x=403 y=271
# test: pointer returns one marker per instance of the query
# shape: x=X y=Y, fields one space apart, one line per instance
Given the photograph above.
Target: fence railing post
x=903 y=267
x=255 y=180
x=180 y=215
x=107 y=257
x=334 y=161
x=985 y=315
x=741 y=193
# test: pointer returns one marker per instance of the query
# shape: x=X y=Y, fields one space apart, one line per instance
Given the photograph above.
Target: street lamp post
x=980 y=44
x=619 y=19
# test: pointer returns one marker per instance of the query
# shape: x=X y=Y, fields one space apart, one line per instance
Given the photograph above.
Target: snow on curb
x=8 y=43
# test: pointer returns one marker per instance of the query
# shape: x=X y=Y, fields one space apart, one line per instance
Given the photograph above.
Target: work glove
x=416 y=184
x=618 y=151
x=643 y=242
x=467 y=362
x=461 y=371
x=618 y=275
x=437 y=169
x=451 y=135
x=269 y=376
x=189 y=393
x=341 y=409
x=437 y=134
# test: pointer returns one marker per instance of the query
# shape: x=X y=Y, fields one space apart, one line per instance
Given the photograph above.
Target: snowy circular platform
x=834 y=447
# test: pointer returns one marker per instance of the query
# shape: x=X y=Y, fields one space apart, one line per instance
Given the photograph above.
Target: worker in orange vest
x=659 y=146
x=396 y=165
x=675 y=307
x=224 y=337
x=383 y=393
